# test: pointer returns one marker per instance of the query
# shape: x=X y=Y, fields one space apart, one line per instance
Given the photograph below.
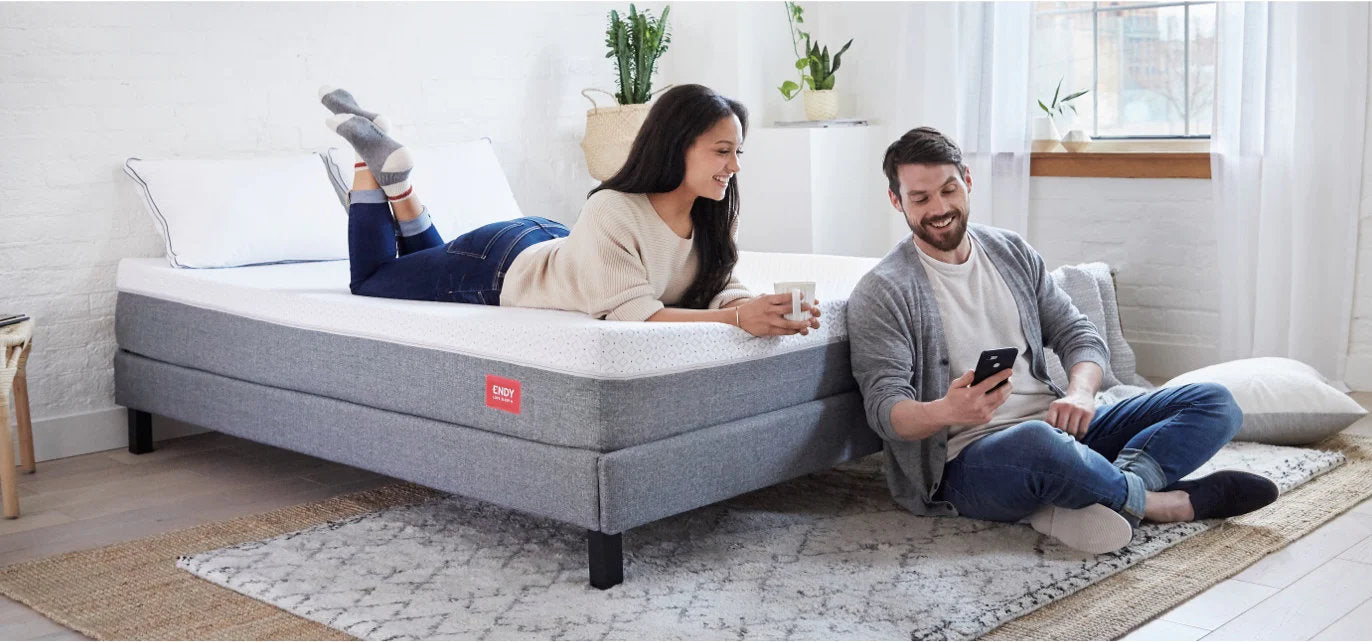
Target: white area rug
x=826 y=556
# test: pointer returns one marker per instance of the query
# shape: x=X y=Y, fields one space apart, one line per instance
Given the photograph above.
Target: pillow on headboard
x=462 y=185
x=247 y=211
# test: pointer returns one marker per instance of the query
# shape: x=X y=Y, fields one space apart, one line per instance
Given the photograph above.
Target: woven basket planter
x=821 y=104
x=610 y=133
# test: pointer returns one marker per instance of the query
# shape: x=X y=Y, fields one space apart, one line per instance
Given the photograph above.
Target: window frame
x=1096 y=10
x=1142 y=156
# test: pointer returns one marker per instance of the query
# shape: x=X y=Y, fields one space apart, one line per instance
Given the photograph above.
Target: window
x=1149 y=66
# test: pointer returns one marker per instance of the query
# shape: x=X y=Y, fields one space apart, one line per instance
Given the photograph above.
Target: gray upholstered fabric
x=552 y=481
x=1093 y=292
x=657 y=480
x=557 y=409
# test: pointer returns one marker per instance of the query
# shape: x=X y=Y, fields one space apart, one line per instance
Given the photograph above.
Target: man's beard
x=946 y=239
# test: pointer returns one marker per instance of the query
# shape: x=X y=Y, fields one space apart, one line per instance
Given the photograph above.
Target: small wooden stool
x=15 y=342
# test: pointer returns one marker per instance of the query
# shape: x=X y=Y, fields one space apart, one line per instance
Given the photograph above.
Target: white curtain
x=1287 y=166
x=966 y=73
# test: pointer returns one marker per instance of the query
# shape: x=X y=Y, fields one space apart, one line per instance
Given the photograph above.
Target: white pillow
x=462 y=185
x=1284 y=401
x=252 y=211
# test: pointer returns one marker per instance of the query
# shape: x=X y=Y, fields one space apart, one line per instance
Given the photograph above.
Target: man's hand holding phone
x=968 y=404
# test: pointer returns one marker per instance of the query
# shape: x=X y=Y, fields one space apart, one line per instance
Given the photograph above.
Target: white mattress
x=315 y=296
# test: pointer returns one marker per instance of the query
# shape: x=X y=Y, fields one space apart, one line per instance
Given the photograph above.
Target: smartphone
x=993 y=361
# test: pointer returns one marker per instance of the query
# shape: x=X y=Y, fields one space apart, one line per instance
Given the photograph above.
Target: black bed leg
x=606 y=557
x=140 y=432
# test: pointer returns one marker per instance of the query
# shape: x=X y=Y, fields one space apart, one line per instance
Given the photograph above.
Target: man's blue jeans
x=1141 y=444
x=470 y=269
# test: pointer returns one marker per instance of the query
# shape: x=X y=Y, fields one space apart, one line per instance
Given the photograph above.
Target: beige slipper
x=1094 y=529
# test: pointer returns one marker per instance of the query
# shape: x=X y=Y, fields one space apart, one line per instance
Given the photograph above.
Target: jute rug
x=134 y=590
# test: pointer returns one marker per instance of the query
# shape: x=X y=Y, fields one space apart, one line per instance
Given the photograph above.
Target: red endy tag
x=502 y=393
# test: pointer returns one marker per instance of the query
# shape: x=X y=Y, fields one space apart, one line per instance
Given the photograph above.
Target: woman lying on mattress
x=653 y=243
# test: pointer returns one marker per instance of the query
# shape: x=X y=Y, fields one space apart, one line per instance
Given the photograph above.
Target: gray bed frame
x=607 y=492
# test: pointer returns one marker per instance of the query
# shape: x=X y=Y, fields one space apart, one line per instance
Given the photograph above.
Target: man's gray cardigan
x=899 y=350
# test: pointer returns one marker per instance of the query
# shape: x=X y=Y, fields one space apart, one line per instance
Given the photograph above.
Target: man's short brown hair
x=920 y=146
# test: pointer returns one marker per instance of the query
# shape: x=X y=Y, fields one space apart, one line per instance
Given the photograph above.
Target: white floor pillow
x=1284 y=401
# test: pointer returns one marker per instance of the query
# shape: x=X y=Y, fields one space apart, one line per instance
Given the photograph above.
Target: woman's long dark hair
x=657 y=163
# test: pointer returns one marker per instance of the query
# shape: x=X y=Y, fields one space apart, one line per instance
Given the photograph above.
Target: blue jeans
x=1141 y=444
x=470 y=269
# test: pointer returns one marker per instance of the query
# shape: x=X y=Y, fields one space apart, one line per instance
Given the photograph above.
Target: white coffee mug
x=800 y=291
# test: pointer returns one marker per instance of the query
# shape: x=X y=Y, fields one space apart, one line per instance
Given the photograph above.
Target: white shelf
x=822 y=124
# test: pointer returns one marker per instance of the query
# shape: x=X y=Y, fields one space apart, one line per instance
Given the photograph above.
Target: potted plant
x=635 y=44
x=821 y=101
x=1046 y=137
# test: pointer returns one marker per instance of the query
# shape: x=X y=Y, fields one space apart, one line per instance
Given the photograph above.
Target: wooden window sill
x=1121 y=164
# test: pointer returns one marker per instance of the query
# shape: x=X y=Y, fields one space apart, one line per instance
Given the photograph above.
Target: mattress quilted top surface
x=315 y=296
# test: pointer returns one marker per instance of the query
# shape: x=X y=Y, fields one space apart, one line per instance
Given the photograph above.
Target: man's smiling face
x=934 y=201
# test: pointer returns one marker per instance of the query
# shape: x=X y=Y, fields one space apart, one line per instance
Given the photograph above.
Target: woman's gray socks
x=339 y=101
x=387 y=159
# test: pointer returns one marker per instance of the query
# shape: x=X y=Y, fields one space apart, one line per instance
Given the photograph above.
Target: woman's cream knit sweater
x=621 y=262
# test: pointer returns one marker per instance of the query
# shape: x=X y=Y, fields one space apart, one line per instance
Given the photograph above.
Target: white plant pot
x=1046 y=137
x=1065 y=122
x=821 y=104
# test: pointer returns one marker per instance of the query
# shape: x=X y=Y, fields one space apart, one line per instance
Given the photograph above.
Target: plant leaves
x=626 y=84
x=656 y=33
x=1045 y=109
x=1055 y=92
x=641 y=64
x=834 y=70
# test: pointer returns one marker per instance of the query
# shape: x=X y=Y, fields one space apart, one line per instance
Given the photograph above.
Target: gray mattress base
x=607 y=492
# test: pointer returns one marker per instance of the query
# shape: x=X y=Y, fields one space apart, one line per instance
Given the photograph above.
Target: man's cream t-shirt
x=979 y=313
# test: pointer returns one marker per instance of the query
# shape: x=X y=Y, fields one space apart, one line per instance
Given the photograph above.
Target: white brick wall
x=1159 y=235
x=83 y=86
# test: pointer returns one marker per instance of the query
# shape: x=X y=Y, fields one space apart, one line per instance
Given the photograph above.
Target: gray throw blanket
x=1093 y=292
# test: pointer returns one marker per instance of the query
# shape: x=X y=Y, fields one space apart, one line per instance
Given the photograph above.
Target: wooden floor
x=1317 y=588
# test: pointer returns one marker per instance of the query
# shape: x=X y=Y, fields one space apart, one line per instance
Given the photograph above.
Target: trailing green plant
x=636 y=44
x=815 y=59
x=1060 y=107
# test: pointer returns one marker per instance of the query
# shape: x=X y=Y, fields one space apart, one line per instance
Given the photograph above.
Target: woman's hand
x=763 y=316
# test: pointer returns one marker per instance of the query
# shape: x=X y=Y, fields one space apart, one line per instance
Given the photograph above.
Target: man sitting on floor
x=1027 y=449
